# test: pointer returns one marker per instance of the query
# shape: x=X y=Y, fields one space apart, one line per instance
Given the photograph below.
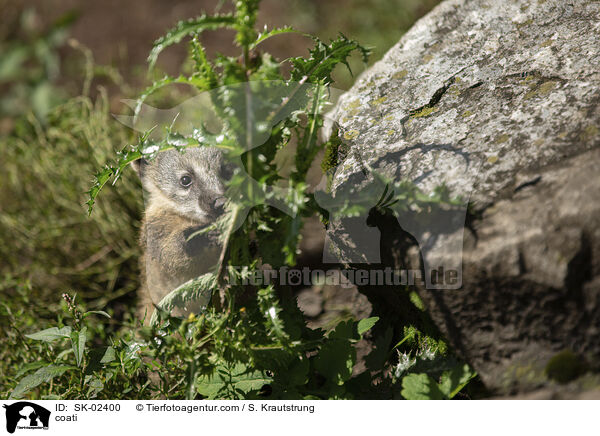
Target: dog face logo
x=26 y=415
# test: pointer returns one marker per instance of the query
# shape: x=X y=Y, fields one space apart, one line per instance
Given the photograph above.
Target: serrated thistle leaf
x=204 y=75
x=266 y=34
x=197 y=291
x=109 y=171
x=165 y=81
x=189 y=27
x=245 y=16
x=324 y=58
x=270 y=307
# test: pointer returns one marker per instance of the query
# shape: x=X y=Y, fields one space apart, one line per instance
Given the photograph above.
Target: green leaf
x=377 y=358
x=298 y=372
x=78 y=343
x=189 y=27
x=43 y=98
x=271 y=309
x=453 y=381
x=108 y=356
x=51 y=334
x=324 y=58
x=204 y=76
x=269 y=70
x=95 y=386
x=421 y=387
x=155 y=86
x=42 y=375
x=336 y=360
x=364 y=325
x=29 y=367
x=11 y=63
x=197 y=292
x=266 y=34
x=233 y=382
x=245 y=15
x=131 y=352
x=96 y=312
x=98 y=357
x=345 y=330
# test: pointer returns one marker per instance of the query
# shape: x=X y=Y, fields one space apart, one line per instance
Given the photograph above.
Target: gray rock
x=499 y=101
x=310 y=302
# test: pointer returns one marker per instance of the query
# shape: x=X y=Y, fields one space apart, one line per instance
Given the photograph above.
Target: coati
x=184 y=192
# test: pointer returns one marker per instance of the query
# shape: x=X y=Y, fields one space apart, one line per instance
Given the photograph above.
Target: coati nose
x=219 y=204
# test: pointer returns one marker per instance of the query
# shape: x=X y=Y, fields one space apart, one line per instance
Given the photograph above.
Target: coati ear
x=139 y=166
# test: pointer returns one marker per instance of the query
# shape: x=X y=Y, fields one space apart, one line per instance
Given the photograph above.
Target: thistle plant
x=250 y=341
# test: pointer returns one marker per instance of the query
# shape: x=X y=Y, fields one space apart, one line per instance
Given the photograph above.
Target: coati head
x=191 y=183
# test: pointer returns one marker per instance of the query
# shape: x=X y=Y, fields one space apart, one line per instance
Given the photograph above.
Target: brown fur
x=171 y=256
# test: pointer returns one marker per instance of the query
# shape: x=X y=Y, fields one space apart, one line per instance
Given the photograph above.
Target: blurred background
x=65 y=65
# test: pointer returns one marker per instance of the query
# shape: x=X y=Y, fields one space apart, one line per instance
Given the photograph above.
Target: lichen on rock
x=500 y=102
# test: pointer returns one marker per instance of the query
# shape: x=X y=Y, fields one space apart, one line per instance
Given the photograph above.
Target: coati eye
x=185 y=181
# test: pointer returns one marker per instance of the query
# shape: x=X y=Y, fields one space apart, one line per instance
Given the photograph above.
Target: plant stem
x=190 y=394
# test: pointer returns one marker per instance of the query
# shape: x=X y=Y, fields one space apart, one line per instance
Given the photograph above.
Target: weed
x=253 y=342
